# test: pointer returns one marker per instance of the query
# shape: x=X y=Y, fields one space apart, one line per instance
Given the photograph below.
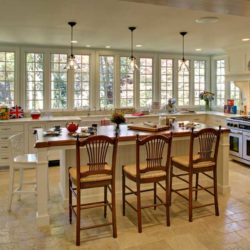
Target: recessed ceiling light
x=207 y=19
x=245 y=39
x=138 y=45
x=108 y=47
x=74 y=41
x=88 y=46
x=199 y=49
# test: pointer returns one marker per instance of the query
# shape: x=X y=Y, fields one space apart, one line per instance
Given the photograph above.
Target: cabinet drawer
x=4 y=146
x=11 y=129
x=4 y=151
x=4 y=158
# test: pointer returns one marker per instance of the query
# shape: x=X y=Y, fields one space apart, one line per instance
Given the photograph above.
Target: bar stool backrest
x=155 y=147
x=16 y=146
x=97 y=148
x=208 y=145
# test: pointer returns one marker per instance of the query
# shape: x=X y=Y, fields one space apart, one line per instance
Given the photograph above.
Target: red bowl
x=35 y=116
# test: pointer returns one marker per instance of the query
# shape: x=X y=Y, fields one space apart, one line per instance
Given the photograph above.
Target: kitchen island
x=126 y=154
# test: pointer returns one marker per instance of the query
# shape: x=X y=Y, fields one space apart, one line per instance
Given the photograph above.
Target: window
x=146 y=82
x=7 y=77
x=183 y=85
x=199 y=80
x=220 y=82
x=166 y=80
x=106 y=81
x=235 y=94
x=58 y=81
x=82 y=82
x=126 y=83
x=34 y=81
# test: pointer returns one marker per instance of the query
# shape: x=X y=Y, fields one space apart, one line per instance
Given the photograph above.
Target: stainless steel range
x=239 y=138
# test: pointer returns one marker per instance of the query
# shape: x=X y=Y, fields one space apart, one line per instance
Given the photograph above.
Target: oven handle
x=236 y=132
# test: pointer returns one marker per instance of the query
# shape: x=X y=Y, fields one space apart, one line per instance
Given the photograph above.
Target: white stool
x=20 y=161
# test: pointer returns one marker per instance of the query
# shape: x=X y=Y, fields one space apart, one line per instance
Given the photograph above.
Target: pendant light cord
x=183 y=59
x=71 y=44
x=132 y=52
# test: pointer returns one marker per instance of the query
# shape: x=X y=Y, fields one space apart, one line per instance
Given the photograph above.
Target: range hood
x=238 y=71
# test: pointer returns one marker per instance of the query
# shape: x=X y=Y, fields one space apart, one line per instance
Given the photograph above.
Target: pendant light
x=132 y=59
x=184 y=66
x=71 y=62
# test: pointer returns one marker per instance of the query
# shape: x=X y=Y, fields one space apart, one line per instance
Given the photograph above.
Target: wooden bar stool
x=153 y=170
x=97 y=173
x=201 y=162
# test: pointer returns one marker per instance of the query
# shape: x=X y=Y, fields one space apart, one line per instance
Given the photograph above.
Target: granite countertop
x=79 y=118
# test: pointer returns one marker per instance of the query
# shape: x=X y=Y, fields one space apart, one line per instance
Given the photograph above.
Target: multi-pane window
x=106 y=81
x=235 y=94
x=34 y=81
x=183 y=85
x=7 y=77
x=126 y=83
x=220 y=82
x=82 y=82
x=166 y=80
x=58 y=81
x=199 y=80
x=146 y=82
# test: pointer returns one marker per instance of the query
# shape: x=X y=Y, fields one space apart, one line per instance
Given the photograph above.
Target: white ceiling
x=106 y=22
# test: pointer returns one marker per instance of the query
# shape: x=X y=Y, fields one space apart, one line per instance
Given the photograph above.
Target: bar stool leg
x=167 y=203
x=190 y=197
x=196 y=186
x=20 y=182
x=70 y=202
x=78 y=217
x=105 y=201
x=215 y=193
x=123 y=192
x=170 y=184
x=155 y=192
x=11 y=183
x=113 y=209
x=138 y=194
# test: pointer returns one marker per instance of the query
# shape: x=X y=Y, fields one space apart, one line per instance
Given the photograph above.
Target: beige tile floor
x=231 y=230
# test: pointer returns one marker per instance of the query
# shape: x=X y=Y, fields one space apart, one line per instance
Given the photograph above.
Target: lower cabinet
x=5 y=132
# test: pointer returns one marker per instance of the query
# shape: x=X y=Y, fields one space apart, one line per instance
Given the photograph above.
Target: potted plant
x=117 y=118
x=207 y=97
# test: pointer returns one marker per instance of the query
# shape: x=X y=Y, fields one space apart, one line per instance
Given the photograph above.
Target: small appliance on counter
x=35 y=114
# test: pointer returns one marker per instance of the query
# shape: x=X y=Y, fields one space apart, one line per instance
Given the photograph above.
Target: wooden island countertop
x=125 y=134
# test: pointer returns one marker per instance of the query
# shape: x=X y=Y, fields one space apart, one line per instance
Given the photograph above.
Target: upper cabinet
x=238 y=64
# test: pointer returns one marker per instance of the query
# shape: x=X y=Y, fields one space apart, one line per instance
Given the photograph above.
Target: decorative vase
x=117 y=128
x=207 y=105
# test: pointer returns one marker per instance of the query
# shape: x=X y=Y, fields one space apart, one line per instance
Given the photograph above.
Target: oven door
x=246 y=146
x=235 y=143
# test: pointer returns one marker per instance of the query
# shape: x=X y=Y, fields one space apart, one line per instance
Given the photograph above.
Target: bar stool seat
x=89 y=178
x=184 y=162
x=130 y=170
x=26 y=159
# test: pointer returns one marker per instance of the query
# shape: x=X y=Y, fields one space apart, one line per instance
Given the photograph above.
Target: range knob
x=235 y=125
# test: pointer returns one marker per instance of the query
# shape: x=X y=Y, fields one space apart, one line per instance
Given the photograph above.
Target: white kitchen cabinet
x=191 y=118
x=5 y=132
x=215 y=120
